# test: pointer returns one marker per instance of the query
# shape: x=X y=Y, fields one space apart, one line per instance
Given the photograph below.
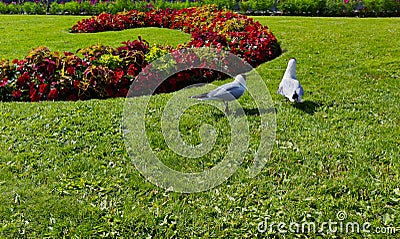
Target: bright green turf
x=64 y=170
x=21 y=33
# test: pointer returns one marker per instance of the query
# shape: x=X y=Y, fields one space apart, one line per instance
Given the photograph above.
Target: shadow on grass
x=309 y=107
x=256 y=111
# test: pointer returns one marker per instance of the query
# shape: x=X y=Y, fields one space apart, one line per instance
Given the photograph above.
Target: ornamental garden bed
x=101 y=71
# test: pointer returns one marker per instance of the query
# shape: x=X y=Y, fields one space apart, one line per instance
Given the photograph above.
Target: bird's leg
x=226 y=107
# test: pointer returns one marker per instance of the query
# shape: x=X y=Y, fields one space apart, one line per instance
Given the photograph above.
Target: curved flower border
x=105 y=72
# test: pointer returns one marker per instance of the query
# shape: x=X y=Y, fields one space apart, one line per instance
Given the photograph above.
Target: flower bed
x=104 y=72
x=208 y=27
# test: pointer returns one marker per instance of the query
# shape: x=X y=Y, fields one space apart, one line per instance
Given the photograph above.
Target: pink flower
x=4 y=82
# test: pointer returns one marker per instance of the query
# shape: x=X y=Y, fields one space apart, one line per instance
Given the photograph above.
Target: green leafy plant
x=56 y=8
x=96 y=51
x=72 y=7
x=110 y=61
x=14 y=8
x=156 y=51
x=3 y=8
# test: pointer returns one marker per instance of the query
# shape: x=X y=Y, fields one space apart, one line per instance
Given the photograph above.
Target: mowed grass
x=21 y=33
x=65 y=171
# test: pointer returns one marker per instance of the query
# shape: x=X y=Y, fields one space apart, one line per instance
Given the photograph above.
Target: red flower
x=17 y=93
x=40 y=78
x=131 y=70
x=43 y=88
x=53 y=94
x=118 y=74
x=23 y=78
x=33 y=95
x=70 y=70
x=76 y=84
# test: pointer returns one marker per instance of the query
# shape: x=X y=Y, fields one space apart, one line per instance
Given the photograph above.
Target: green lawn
x=21 y=33
x=65 y=171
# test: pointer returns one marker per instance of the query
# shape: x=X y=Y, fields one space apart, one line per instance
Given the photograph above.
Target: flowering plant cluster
x=103 y=71
x=207 y=25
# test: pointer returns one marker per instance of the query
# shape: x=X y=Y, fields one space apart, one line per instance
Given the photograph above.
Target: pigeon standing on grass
x=290 y=87
x=227 y=92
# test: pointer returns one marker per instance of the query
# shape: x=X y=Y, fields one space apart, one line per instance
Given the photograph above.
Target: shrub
x=392 y=7
x=310 y=7
x=14 y=8
x=3 y=8
x=374 y=7
x=72 y=8
x=302 y=7
x=245 y=6
x=381 y=8
x=253 y=7
x=263 y=7
x=56 y=8
x=121 y=5
x=101 y=7
x=33 y=8
x=86 y=8
x=221 y=4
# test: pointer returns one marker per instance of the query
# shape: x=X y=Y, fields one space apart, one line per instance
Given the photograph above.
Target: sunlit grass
x=21 y=33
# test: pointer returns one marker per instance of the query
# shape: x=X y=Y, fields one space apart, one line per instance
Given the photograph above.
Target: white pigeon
x=290 y=87
x=227 y=92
